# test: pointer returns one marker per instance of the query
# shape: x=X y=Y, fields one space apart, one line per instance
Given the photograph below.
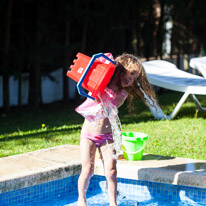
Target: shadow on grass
x=28 y=119
x=42 y=134
x=168 y=101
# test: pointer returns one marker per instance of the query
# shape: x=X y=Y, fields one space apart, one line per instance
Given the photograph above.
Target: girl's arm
x=121 y=97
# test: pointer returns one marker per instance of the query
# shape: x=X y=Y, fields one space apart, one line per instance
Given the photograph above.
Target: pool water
x=63 y=192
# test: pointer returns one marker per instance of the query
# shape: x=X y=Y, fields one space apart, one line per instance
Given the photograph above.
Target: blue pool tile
x=68 y=186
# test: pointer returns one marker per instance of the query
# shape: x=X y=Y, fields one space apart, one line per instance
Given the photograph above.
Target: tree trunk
x=160 y=32
x=84 y=37
x=6 y=100
x=19 y=90
x=22 y=56
x=85 y=28
x=134 y=29
x=65 y=69
x=35 y=73
x=35 y=83
x=148 y=42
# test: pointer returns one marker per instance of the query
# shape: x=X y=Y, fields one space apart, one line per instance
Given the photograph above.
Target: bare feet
x=82 y=202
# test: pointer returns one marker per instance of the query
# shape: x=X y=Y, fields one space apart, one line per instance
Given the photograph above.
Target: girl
x=128 y=81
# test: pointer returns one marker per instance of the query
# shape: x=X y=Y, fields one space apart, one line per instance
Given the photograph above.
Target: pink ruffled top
x=93 y=110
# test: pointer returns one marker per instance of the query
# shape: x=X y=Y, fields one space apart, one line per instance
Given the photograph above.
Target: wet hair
x=119 y=72
x=141 y=85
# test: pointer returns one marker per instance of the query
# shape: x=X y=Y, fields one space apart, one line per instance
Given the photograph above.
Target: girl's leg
x=87 y=150
x=110 y=169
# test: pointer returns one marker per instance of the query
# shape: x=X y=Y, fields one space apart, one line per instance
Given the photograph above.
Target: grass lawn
x=26 y=129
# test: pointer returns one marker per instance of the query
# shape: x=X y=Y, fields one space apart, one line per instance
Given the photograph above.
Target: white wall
x=51 y=90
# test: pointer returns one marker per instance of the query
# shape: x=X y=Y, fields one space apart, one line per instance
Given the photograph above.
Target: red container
x=91 y=74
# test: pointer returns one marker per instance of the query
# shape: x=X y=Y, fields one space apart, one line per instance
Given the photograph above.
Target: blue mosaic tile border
x=128 y=187
x=39 y=192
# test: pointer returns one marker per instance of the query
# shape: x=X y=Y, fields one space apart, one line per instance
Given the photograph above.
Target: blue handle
x=79 y=84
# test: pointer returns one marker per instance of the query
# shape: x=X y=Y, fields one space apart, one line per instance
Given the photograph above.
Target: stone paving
x=45 y=165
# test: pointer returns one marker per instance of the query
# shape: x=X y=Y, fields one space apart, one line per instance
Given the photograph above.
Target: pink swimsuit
x=98 y=139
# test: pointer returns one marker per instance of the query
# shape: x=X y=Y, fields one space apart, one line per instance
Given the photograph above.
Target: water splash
x=123 y=200
x=111 y=112
x=153 y=106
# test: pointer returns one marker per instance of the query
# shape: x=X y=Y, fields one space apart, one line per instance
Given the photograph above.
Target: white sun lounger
x=199 y=63
x=165 y=74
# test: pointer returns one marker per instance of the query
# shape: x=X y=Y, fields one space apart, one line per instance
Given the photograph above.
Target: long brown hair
x=141 y=85
x=119 y=72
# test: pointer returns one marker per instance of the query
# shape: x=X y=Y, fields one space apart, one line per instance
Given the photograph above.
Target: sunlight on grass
x=178 y=138
x=20 y=142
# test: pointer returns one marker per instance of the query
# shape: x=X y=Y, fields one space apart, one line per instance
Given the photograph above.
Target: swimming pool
x=130 y=192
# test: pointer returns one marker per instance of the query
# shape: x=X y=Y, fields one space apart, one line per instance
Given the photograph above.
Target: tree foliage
x=40 y=36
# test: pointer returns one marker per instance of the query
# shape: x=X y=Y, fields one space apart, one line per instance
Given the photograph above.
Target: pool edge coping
x=139 y=170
